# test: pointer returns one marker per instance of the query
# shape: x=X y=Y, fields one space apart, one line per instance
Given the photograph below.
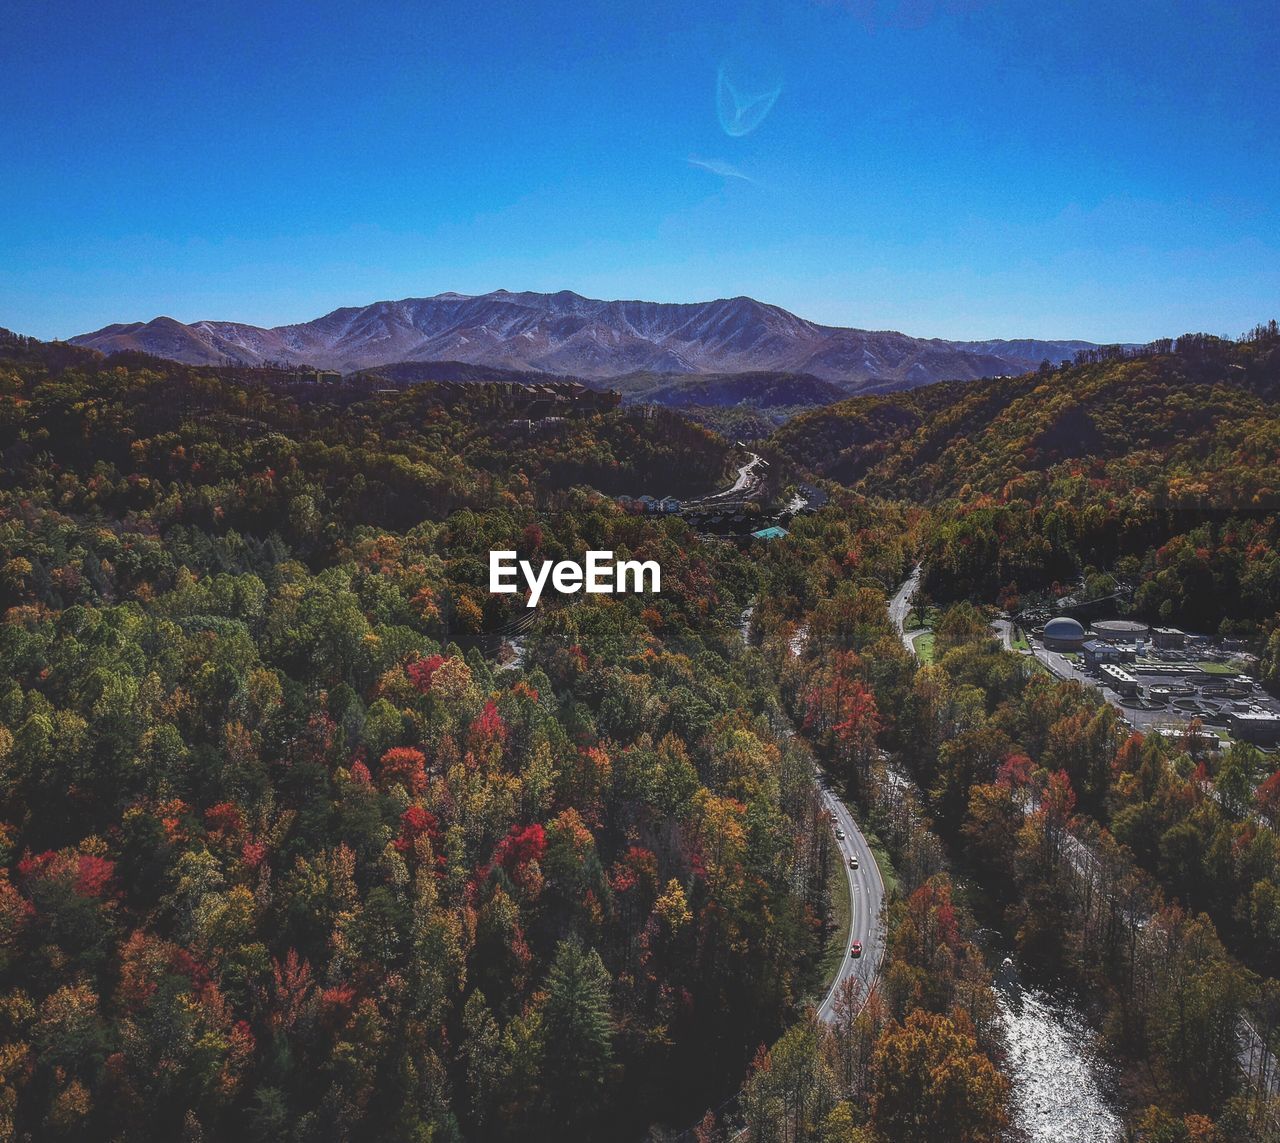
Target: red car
x=855 y=949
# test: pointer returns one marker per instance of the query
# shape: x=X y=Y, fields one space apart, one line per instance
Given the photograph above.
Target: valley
x=661 y=573
x=653 y=802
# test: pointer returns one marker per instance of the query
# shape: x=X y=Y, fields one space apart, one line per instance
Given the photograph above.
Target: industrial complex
x=1162 y=677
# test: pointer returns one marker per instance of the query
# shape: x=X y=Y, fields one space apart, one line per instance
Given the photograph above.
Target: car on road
x=855 y=949
x=839 y=834
x=853 y=861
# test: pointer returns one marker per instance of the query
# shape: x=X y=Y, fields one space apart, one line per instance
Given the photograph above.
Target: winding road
x=900 y=605
x=864 y=885
x=747 y=482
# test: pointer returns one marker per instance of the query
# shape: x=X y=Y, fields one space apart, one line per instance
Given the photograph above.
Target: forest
x=1156 y=470
x=288 y=854
x=295 y=846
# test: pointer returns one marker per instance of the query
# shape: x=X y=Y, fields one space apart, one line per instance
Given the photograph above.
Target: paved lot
x=1138 y=716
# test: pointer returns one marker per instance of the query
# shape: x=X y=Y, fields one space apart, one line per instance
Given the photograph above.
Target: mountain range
x=567 y=334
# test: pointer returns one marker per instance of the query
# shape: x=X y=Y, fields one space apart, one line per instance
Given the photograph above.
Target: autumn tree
x=930 y=1080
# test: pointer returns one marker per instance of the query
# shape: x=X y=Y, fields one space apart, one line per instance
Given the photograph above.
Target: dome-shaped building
x=1063 y=634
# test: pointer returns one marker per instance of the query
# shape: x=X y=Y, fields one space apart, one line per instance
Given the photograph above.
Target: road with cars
x=864 y=884
x=866 y=895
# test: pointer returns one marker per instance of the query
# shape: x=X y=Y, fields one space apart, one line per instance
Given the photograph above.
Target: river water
x=1062 y=1087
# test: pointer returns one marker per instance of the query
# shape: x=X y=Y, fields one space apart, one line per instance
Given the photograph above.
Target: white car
x=839 y=834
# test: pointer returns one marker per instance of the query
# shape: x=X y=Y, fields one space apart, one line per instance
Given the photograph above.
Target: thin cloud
x=716 y=167
x=742 y=112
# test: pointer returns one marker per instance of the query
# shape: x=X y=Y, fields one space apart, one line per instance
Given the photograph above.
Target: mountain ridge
x=567 y=334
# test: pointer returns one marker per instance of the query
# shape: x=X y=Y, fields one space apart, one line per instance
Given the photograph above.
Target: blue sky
x=954 y=168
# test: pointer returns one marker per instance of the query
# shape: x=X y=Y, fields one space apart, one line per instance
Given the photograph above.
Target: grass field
x=838 y=940
x=1212 y=668
x=923 y=644
x=887 y=873
x=931 y=617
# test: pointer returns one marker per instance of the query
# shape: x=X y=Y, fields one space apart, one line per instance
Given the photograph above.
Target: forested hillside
x=1159 y=468
x=287 y=852
x=285 y=856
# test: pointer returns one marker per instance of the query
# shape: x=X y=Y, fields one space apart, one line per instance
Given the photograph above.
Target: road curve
x=900 y=604
x=864 y=885
x=746 y=481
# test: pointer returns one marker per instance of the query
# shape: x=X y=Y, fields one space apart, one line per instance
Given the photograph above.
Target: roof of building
x=1063 y=627
x=1126 y=625
x=1097 y=646
x=1181 y=732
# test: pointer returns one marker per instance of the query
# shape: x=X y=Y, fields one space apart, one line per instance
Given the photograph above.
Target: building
x=1063 y=634
x=316 y=376
x=1118 y=679
x=1207 y=740
x=646 y=503
x=1168 y=638
x=1097 y=652
x=1120 y=630
x=1261 y=727
x=668 y=504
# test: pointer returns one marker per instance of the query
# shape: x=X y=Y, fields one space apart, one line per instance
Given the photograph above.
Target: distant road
x=744 y=474
x=1004 y=628
x=747 y=481
x=900 y=604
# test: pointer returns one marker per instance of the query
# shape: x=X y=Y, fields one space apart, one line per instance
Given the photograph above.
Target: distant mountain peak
x=566 y=333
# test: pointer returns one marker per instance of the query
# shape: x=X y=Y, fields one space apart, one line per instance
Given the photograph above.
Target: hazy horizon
x=361 y=304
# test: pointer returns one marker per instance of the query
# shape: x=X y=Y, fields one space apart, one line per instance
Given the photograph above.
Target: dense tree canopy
x=295 y=845
x=287 y=852
x=1158 y=469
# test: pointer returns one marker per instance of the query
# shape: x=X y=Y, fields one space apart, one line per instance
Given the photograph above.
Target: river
x=1062 y=1086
